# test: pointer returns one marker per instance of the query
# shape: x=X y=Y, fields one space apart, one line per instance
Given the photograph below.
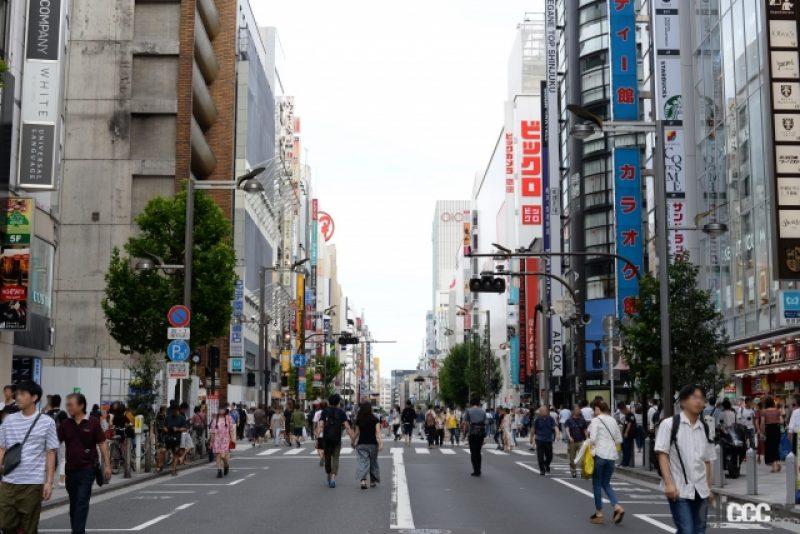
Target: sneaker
x=331 y=483
x=475 y=474
x=227 y=468
x=219 y=473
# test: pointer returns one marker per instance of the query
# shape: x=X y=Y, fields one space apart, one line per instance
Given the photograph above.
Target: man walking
x=82 y=436
x=685 y=453
x=31 y=481
x=474 y=427
x=545 y=429
x=575 y=431
x=628 y=434
x=332 y=420
x=408 y=417
x=9 y=405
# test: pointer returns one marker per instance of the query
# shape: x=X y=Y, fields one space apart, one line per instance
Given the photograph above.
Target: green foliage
x=143 y=385
x=136 y=303
x=470 y=369
x=697 y=335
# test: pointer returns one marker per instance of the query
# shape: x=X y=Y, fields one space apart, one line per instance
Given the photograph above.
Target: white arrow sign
x=178 y=333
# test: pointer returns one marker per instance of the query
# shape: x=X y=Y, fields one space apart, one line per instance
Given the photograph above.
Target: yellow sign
x=137 y=424
x=285 y=361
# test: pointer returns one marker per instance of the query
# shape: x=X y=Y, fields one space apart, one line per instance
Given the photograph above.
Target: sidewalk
x=771 y=487
x=117 y=482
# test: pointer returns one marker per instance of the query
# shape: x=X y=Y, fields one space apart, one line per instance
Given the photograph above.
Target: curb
x=776 y=509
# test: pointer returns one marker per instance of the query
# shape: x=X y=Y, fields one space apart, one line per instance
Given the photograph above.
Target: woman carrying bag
x=223 y=438
x=605 y=439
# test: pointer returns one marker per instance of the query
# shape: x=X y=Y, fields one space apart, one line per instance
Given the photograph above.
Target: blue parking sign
x=178 y=351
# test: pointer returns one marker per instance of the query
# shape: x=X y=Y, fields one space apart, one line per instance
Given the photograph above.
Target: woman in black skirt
x=771 y=421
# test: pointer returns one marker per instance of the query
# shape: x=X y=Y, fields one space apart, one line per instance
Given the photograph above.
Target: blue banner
x=513 y=355
x=629 y=238
x=624 y=83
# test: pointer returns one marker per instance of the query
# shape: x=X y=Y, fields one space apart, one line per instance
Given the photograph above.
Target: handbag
x=99 y=477
x=13 y=455
x=617 y=445
x=231 y=445
x=587 y=468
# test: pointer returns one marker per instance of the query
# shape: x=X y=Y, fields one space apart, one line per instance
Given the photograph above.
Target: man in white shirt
x=563 y=416
x=685 y=463
x=793 y=428
x=586 y=412
x=24 y=488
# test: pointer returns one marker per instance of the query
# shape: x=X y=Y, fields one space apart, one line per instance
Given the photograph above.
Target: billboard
x=624 y=83
x=784 y=78
x=629 y=235
x=41 y=94
x=529 y=152
x=16 y=227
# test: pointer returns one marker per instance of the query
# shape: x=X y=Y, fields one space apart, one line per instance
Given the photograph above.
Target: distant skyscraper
x=448 y=229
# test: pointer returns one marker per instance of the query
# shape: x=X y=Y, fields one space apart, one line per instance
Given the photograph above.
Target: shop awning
x=768 y=369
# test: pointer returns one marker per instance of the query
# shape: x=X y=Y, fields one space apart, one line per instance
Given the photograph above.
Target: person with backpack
x=605 y=439
x=474 y=427
x=332 y=420
x=685 y=452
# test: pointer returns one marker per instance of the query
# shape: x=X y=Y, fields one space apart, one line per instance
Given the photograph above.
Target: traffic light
x=597 y=358
x=213 y=357
x=346 y=338
x=487 y=284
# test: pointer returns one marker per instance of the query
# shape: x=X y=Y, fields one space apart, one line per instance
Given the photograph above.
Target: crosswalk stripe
x=522 y=453
x=421 y=450
x=448 y=451
x=294 y=451
x=345 y=450
x=499 y=453
x=466 y=450
x=268 y=452
x=312 y=452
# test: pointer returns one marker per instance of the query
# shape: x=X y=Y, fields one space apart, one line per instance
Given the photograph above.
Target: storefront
x=768 y=370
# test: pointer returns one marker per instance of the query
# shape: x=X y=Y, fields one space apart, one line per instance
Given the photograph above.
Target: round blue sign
x=178 y=351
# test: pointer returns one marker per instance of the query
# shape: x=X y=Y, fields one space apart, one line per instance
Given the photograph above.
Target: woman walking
x=771 y=421
x=506 y=423
x=604 y=436
x=276 y=425
x=223 y=433
x=368 y=442
x=452 y=427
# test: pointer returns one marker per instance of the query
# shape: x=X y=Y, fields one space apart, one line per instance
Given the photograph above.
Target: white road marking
x=655 y=522
x=561 y=481
x=137 y=528
x=495 y=451
x=448 y=451
x=268 y=452
x=345 y=450
x=400 y=516
x=466 y=450
x=292 y=452
x=522 y=453
x=232 y=483
x=421 y=450
x=168 y=491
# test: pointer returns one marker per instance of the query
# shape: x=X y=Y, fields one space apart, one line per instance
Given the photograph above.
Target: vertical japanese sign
x=522 y=323
x=624 y=82
x=41 y=94
x=784 y=68
x=628 y=209
x=529 y=150
x=236 y=341
x=16 y=228
x=314 y=231
x=509 y=229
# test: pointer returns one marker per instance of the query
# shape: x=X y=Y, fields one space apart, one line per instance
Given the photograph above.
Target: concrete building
x=150 y=100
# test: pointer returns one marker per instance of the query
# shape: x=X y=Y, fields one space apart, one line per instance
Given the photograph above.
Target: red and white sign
x=179 y=316
x=509 y=162
x=530 y=199
x=314 y=209
x=326 y=226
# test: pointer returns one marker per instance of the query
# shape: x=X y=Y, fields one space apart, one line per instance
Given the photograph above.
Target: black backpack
x=332 y=432
x=673 y=437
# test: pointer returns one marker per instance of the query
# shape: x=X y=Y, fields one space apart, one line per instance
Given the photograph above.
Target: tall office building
x=448 y=227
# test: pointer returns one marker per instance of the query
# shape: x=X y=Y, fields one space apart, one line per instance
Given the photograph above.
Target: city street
x=271 y=489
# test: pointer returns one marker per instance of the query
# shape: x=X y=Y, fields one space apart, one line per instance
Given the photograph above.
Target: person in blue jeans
x=604 y=436
x=685 y=453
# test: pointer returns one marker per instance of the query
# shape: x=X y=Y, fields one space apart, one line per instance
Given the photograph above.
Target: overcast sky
x=401 y=104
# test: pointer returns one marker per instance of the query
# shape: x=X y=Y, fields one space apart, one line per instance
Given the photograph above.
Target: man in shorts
x=408 y=417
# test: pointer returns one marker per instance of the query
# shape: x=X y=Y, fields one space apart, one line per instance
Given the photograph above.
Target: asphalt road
x=272 y=490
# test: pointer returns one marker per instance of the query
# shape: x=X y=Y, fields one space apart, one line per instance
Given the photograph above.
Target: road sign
x=178 y=370
x=179 y=316
x=178 y=333
x=298 y=360
x=178 y=351
x=789 y=307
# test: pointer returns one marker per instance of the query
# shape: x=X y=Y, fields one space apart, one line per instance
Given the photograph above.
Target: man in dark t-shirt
x=575 y=429
x=331 y=422
x=628 y=434
x=408 y=417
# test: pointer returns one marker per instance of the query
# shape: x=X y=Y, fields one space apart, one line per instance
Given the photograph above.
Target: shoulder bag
x=13 y=455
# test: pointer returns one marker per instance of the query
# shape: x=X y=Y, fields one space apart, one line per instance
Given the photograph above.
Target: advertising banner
x=784 y=70
x=624 y=83
x=629 y=238
x=528 y=149
x=236 y=341
x=314 y=231
x=16 y=227
x=522 y=335
x=41 y=94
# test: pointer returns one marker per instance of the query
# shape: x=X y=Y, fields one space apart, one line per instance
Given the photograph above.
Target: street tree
x=136 y=302
x=698 y=339
x=469 y=370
